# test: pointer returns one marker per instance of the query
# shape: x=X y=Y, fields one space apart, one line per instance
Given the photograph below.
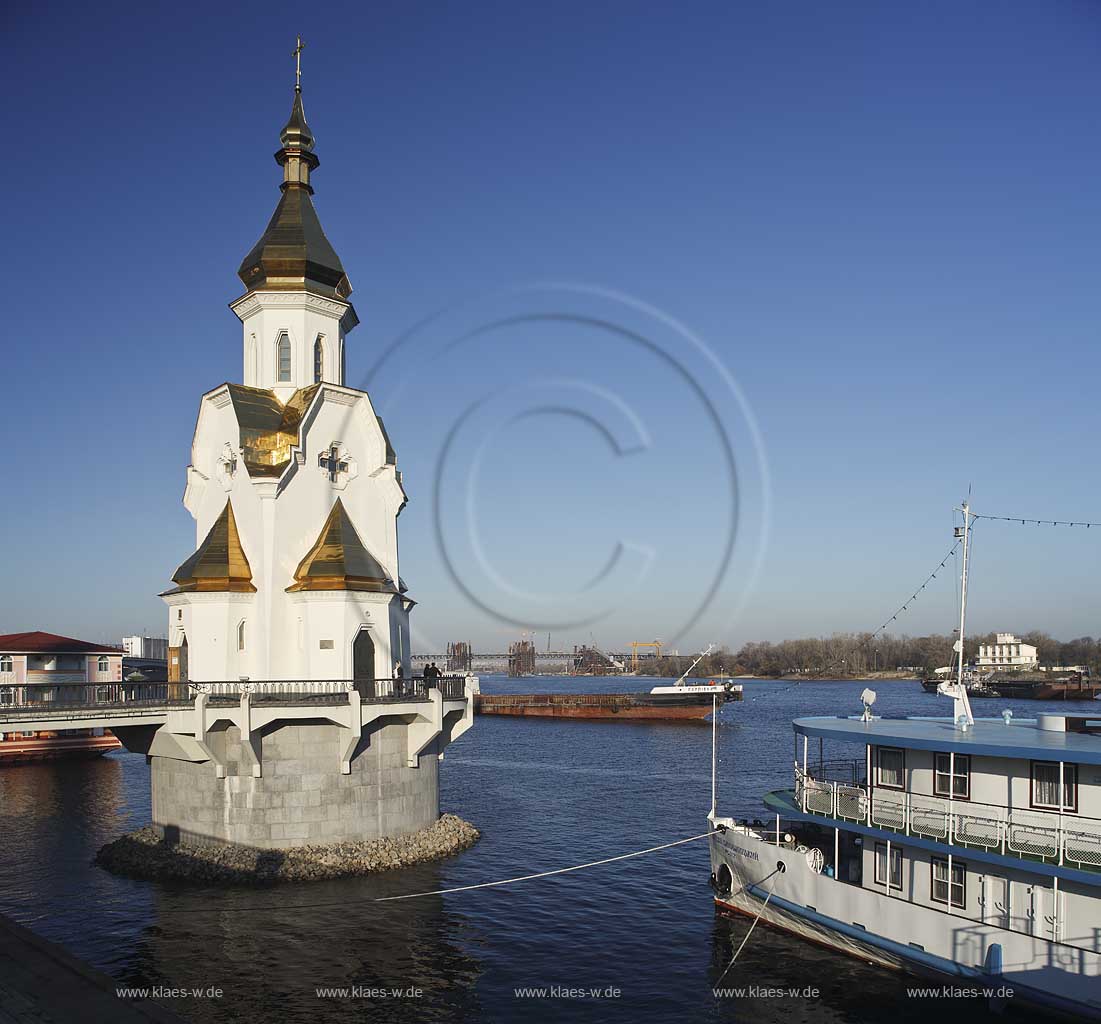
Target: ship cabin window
x=103 y=664
x=6 y=663
x=951 y=893
x=283 y=349
x=1044 y=790
x=892 y=767
x=952 y=780
x=889 y=875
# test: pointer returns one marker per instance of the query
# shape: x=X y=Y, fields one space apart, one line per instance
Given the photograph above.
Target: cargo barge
x=662 y=703
x=1031 y=686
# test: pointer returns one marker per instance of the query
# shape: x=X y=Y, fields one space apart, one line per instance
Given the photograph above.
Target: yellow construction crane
x=636 y=644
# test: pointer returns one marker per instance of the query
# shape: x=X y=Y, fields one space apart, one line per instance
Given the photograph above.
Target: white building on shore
x=1008 y=652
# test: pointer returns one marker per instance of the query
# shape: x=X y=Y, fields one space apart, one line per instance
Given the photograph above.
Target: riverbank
x=145 y=855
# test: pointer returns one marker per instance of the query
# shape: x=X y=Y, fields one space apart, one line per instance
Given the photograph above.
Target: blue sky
x=881 y=220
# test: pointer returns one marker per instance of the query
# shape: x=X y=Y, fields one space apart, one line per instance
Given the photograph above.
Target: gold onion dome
x=219 y=565
x=339 y=560
x=293 y=253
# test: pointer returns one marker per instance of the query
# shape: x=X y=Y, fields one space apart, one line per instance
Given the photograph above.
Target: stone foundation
x=144 y=854
x=301 y=798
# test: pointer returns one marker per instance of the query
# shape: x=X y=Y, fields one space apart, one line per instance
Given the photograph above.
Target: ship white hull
x=892 y=933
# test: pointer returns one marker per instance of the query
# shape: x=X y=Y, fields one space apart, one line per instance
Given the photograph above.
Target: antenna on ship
x=961 y=709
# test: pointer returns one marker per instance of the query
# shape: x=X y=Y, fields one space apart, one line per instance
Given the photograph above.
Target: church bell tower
x=293 y=482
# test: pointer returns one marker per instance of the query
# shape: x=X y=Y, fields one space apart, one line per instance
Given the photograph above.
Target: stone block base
x=301 y=798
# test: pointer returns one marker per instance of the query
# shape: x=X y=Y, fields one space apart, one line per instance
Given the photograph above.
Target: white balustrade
x=1017 y=832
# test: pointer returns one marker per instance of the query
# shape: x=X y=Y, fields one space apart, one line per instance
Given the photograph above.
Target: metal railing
x=1026 y=833
x=38 y=698
x=29 y=700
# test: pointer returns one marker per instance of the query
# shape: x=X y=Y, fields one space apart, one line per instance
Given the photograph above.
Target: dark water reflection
x=545 y=794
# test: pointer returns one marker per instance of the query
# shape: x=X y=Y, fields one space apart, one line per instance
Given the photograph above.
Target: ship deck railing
x=31 y=700
x=1027 y=834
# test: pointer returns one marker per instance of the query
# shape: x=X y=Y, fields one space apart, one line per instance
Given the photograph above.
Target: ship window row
x=948 y=887
x=952 y=778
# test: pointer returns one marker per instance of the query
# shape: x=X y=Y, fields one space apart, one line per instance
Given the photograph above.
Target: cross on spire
x=297 y=54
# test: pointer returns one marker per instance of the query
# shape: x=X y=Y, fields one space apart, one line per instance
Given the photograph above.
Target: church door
x=182 y=675
x=363 y=663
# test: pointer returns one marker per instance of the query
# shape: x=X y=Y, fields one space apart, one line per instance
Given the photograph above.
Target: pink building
x=44 y=668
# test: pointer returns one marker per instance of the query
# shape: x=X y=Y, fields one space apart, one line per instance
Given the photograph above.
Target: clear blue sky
x=883 y=219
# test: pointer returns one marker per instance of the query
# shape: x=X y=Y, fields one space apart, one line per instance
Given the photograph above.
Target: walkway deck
x=42 y=984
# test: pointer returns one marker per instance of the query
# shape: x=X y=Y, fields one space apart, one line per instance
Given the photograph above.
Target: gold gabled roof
x=339 y=560
x=268 y=427
x=219 y=565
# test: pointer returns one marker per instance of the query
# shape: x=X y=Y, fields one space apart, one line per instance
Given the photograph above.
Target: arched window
x=252 y=374
x=103 y=664
x=318 y=361
x=241 y=635
x=283 y=351
x=6 y=663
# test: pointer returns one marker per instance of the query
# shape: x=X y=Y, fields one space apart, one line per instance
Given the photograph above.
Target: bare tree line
x=852 y=655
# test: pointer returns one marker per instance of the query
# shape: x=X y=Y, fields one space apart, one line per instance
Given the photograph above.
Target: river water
x=640 y=937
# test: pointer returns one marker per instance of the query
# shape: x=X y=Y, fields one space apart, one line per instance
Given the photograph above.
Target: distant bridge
x=556 y=662
x=579 y=661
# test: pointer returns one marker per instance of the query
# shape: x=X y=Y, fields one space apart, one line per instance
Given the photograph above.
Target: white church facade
x=292 y=482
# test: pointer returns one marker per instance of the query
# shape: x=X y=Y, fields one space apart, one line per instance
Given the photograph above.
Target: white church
x=293 y=483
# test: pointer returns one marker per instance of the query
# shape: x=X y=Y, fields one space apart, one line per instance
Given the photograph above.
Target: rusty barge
x=662 y=703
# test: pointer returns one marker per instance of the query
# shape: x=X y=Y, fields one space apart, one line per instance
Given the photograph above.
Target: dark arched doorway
x=363 y=663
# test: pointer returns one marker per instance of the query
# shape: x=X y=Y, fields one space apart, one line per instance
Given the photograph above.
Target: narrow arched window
x=6 y=663
x=283 y=349
x=103 y=664
x=318 y=361
x=252 y=375
x=241 y=635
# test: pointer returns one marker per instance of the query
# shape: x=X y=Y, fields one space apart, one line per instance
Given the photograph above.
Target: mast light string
x=914 y=596
x=1025 y=521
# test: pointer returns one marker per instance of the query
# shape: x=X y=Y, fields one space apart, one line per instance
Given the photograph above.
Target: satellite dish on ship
x=867 y=698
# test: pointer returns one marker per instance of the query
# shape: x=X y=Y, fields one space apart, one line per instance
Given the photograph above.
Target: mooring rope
x=546 y=874
x=771 y=875
x=220 y=908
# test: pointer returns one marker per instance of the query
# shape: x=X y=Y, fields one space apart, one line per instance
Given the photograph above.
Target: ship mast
x=962 y=706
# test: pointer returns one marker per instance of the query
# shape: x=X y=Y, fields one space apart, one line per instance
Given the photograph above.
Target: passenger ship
x=952 y=847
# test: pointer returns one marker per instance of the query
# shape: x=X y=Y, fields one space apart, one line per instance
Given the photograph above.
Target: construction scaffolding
x=459 y=657
x=521 y=658
x=590 y=661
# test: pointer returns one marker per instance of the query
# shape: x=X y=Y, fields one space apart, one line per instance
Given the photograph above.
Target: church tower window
x=318 y=361
x=283 y=349
x=241 y=635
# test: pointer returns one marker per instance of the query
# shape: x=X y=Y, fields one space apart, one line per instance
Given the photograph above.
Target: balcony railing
x=29 y=700
x=1029 y=834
